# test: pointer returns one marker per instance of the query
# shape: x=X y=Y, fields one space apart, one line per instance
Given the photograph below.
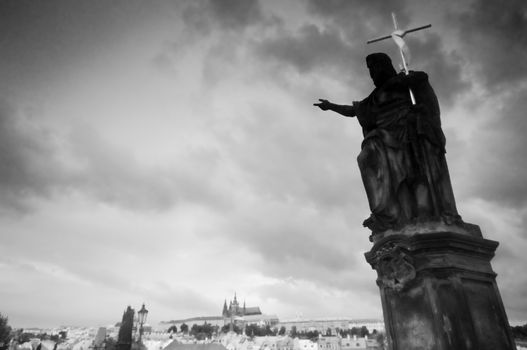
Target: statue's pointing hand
x=323 y=104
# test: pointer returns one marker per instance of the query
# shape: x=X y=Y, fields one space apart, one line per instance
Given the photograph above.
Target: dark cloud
x=339 y=46
x=295 y=241
x=499 y=164
x=220 y=28
x=309 y=48
x=164 y=62
x=323 y=159
x=292 y=241
x=235 y=14
x=43 y=40
x=494 y=38
x=113 y=175
x=231 y=15
x=221 y=60
x=360 y=20
x=32 y=165
x=444 y=69
x=27 y=163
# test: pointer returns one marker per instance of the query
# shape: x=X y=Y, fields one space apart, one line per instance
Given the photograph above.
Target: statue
x=402 y=159
x=436 y=283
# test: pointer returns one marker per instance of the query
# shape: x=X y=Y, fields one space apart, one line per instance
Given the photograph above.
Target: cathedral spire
x=224 y=312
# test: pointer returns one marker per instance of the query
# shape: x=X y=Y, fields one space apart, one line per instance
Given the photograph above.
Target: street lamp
x=141 y=315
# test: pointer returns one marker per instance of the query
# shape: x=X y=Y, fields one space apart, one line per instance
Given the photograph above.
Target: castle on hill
x=240 y=315
x=234 y=310
x=233 y=314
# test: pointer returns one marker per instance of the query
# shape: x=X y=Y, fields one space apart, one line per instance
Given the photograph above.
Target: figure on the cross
x=402 y=160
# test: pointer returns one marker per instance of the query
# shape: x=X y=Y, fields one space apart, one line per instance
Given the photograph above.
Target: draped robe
x=402 y=159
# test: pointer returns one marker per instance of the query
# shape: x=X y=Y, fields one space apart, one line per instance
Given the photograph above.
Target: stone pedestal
x=439 y=291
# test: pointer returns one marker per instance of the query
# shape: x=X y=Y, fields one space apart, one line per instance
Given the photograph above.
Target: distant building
x=305 y=344
x=265 y=343
x=179 y=346
x=329 y=343
x=233 y=314
x=354 y=343
x=242 y=315
x=285 y=343
x=232 y=341
x=200 y=320
x=333 y=324
x=100 y=337
x=235 y=309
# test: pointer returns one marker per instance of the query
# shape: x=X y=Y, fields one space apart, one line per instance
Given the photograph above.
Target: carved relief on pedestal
x=394 y=267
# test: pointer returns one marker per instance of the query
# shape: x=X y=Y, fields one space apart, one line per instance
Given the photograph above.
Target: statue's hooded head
x=381 y=68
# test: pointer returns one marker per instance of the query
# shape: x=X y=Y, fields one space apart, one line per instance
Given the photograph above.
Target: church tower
x=225 y=312
x=234 y=307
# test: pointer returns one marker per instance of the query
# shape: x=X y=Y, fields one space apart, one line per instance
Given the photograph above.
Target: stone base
x=439 y=291
x=437 y=226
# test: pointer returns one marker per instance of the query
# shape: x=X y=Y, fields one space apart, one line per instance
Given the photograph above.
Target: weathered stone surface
x=430 y=227
x=438 y=291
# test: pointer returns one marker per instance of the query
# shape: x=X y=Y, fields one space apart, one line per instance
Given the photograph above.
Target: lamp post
x=141 y=315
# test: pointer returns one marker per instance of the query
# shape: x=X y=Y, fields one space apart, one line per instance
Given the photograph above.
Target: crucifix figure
x=402 y=159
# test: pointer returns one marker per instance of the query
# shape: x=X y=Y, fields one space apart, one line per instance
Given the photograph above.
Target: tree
x=54 y=337
x=203 y=331
x=355 y=331
x=110 y=344
x=235 y=328
x=519 y=332
x=251 y=330
x=25 y=337
x=312 y=335
x=364 y=331
x=124 y=340
x=281 y=331
x=183 y=328
x=5 y=332
x=293 y=332
x=260 y=331
x=172 y=329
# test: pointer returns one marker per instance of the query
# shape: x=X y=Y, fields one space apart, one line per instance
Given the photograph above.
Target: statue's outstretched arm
x=347 y=111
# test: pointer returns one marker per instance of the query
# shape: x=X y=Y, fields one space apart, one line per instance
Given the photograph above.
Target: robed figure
x=402 y=159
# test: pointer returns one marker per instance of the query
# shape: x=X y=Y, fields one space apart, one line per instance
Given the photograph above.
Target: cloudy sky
x=169 y=152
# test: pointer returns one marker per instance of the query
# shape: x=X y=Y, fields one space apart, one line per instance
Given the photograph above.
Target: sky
x=169 y=153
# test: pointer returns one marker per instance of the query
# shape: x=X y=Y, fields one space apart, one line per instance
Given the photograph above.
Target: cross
x=398 y=35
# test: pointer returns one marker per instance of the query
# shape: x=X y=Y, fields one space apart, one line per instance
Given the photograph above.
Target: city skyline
x=169 y=153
